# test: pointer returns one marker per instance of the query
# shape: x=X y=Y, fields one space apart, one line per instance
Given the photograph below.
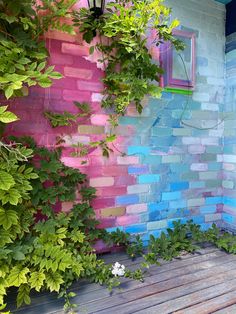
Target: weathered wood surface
x=202 y=283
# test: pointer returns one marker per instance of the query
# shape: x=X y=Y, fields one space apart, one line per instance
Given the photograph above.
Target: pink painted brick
x=75 y=162
x=137 y=208
x=84 y=74
x=65 y=83
x=107 y=222
x=101 y=181
x=127 y=220
x=125 y=180
x=100 y=203
x=229 y=167
x=111 y=191
x=97 y=97
x=71 y=95
x=57 y=58
x=196 y=149
x=99 y=119
x=75 y=50
x=199 y=167
x=91 y=86
x=115 y=170
x=127 y=160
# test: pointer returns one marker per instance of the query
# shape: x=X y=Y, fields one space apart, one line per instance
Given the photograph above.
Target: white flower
x=118 y=269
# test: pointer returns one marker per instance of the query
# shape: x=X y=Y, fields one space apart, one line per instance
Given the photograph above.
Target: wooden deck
x=194 y=284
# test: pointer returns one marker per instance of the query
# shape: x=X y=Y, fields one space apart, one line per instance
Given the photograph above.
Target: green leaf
x=8 y=117
x=17 y=276
x=9 y=92
x=55 y=75
x=6 y=181
x=8 y=218
x=53 y=281
x=36 y=280
x=45 y=83
x=23 y=295
x=41 y=66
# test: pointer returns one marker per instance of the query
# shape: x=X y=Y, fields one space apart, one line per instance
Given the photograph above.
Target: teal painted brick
x=195 y=202
x=149 y=178
x=214 y=183
x=143 y=150
x=177 y=114
x=214 y=166
x=208 y=175
x=197 y=185
x=171 y=159
x=190 y=176
x=178 y=204
x=182 y=132
x=157 y=131
x=168 y=196
x=155 y=225
x=151 y=160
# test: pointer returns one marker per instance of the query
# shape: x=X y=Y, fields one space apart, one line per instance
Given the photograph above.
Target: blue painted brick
x=136 y=228
x=149 y=178
x=213 y=200
x=127 y=199
x=197 y=219
x=157 y=206
x=178 y=204
x=228 y=218
x=229 y=201
x=208 y=209
x=168 y=196
x=178 y=186
x=114 y=229
x=138 y=170
x=144 y=150
x=197 y=185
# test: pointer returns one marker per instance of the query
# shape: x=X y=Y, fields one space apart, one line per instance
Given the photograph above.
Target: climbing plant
x=124 y=29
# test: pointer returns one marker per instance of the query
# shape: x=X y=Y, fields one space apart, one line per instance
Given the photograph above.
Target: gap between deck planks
x=166 y=289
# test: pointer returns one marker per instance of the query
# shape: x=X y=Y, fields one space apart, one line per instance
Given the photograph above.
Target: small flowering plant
x=118 y=270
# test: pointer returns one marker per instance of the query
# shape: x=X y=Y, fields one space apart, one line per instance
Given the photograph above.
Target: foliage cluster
x=23 y=55
x=130 y=73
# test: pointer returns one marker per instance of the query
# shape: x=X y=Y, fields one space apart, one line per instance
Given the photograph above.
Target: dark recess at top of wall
x=231 y=17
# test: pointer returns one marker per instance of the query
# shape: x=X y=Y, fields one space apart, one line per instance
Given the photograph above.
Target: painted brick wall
x=171 y=171
x=229 y=160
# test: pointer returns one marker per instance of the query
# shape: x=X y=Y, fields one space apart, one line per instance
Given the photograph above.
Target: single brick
x=138 y=228
x=227 y=184
x=136 y=208
x=229 y=201
x=138 y=169
x=101 y=181
x=127 y=160
x=99 y=119
x=74 y=50
x=197 y=185
x=97 y=97
x=228 y=218
x=168 y=196
x=115 y=211
x=208 y=175
x=84 y=74
x=90 y=86
x=90 y=129
x=178 y=204
x=149 y=178
x=171 y=159
x=72 y=95
x=213 y=200
x=182 y=132
x=127 y=220
x=196 y=202
x=212 y=217
x=178 y=186
x=127 y=199
x=138 y=188
x=143 y=150
x=210 y=209
x=196 y=149
x=153 y=225
x=199 y=167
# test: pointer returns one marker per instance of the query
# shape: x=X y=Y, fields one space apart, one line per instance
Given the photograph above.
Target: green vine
x=130 y=73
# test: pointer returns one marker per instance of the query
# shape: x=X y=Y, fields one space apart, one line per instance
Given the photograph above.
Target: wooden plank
x=162 y=286
x=228 y=310
x=161 y=283
x=212 y=305
x=167 y=266
x=190 y=299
